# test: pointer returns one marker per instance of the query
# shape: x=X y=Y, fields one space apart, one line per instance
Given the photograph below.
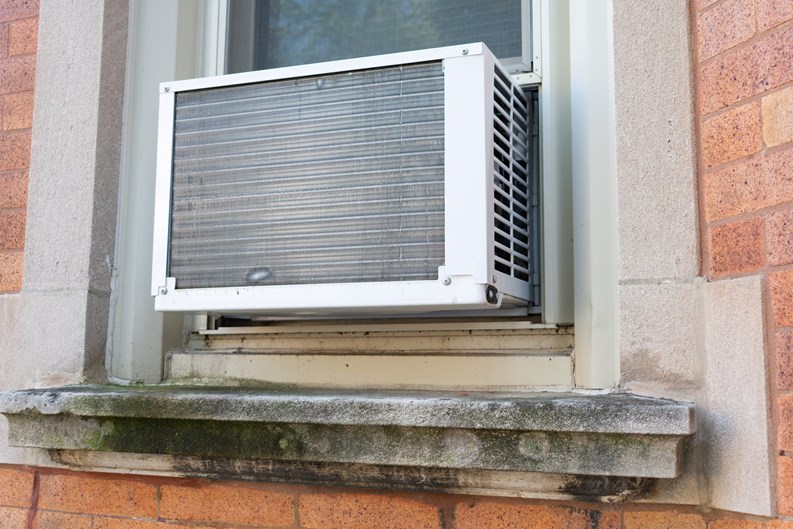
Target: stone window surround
x=67 y=275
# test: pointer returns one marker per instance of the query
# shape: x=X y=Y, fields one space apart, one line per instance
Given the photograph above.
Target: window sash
x=304 y=31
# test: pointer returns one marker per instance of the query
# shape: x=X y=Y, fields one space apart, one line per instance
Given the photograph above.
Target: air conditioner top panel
x=305 y=70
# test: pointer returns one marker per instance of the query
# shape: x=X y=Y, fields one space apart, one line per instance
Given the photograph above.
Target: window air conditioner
x=390 y=184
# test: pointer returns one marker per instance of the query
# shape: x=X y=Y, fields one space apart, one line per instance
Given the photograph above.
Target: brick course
x=779 y=237
x=219 y=503
x=737 y=524
x=12 y=229
x=18 y=41
x=87 y=495
x=16 y=9
x=116 y=501
x=782 y=297
x=502 y=515
x=737 y=247
x=785 y=430
x=778 y=117
x=774 y=60
x=17 y=74
x=59 y=520
x=23 y=36
x=124 y=523
x=662 y=520
x=784 y=360
x=725 y=25
x=771 y=13
x=11 y=518
x=14 y=150
x=11 y=271
x=16 y=487
x=731 y=135
x=785 y=484
x=749 y=185
x=13 y=190
x=360 y=511
x=729 y=79
x=778 y=173
x=745 y=71
x=736 y=189
x=18 y=111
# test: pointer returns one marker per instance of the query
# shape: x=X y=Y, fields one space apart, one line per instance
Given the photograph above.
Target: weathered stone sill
x=622 y=438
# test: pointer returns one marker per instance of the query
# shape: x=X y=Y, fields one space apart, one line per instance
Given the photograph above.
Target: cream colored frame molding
x=594 y=193
x=167 y=41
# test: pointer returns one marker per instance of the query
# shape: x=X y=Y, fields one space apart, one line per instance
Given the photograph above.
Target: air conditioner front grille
x=511 y=192
x=327 y=179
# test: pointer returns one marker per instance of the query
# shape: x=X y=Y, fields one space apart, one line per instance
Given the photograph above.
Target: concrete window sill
x=584 y=446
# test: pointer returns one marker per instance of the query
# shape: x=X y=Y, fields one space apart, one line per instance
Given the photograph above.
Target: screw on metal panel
x=495 y=279
x=491 y=294
x=447 y=281
x=167 y=88
x=163 y=290
x=465 y=51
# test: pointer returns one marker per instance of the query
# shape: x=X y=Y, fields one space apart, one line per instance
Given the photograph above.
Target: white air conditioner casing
x=391 y=184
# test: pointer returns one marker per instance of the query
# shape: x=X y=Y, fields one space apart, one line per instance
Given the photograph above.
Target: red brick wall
x=18 y=37
x=745 y=82
x=49 y=499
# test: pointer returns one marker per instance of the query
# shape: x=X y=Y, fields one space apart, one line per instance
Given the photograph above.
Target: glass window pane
x=274 y=33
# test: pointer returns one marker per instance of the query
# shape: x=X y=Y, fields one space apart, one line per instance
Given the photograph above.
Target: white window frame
x=139 y=336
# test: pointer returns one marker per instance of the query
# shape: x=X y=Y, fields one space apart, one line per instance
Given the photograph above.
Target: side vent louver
x=511 y=191
x=399 y=184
